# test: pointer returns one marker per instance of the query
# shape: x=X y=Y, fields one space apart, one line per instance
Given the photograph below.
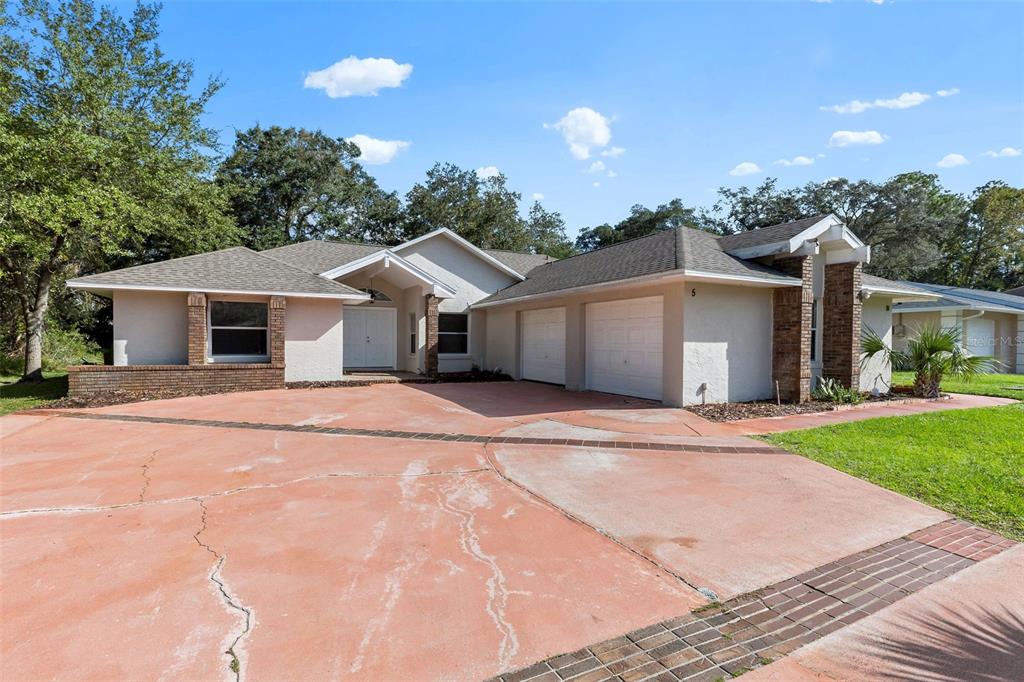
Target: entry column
x=431 y=334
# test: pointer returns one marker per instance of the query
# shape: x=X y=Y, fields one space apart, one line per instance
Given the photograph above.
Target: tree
x=288 y=184
x=931 y=354
x=986 y=249
x=741 y=209
x=547 y=232
x=102 y=153
x=483 y=210
x=640 y=222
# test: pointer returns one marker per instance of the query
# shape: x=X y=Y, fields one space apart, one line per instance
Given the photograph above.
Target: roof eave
x=100 y=287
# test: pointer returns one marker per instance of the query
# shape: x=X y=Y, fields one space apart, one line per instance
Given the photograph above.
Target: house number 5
x=693 y=292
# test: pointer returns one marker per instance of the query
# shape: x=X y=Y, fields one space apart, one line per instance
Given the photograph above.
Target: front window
x=453 y=333
x=238 y=330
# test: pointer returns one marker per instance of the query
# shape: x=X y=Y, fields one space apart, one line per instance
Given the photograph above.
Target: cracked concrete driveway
x=277 y=547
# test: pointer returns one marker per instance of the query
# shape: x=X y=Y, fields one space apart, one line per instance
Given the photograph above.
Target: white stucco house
x=990 y=322
x=681 y=316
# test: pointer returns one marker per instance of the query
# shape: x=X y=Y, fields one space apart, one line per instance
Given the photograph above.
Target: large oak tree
x=103 y=157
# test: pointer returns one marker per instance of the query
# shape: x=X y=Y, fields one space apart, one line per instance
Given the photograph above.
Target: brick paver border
x=421 y=435
x=724 y=640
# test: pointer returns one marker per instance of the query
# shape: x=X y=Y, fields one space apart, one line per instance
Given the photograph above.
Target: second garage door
x=543 y=340
x=624 y=347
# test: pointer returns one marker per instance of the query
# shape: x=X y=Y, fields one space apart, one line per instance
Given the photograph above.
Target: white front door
x=543 y=345
x=981 y=336
x=624 y=347
x=370 y=337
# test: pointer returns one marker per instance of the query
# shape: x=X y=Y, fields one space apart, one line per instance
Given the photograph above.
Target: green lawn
x=15 y=396
x=967 y=462
x=985 y=384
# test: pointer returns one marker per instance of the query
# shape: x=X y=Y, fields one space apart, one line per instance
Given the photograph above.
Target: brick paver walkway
x=754 y=629
x=417 y=435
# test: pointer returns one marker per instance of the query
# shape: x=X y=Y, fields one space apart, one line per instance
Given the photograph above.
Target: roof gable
x=475 y=250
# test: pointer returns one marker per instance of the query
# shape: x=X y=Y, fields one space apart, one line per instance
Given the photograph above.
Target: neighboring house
x=991 y=323
x=1019 y=291
x=679 y=316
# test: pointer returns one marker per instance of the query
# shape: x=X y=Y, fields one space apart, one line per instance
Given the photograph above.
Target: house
x=681 y=315
x=990 y=323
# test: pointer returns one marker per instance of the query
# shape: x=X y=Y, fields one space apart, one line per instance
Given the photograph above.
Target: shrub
x=833 y=391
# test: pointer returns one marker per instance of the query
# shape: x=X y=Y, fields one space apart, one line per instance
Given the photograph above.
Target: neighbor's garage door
x=543 y=340
x=624 y=347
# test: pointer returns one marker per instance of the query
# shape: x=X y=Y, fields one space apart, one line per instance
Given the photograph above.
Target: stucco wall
x=876 y=373
x=472 y=278
x=727 y=332
x=313 y=340
x=150 y=328
x=502 y=341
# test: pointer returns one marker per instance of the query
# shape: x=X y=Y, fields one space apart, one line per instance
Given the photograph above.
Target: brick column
x=196 y=328
x=791 y=331
x=430 y=354
x=841 y=308
x=276 y=324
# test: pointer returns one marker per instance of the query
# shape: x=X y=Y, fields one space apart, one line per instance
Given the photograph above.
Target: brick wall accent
x=841 y=308
x=431 y=335
x=276 y=323
x=86 y=380
x=196 y=328
x=791 y=331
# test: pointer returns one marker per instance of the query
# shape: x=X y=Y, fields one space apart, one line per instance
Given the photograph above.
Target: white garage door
x=624 y=347
x=543 y=342
x=981 y=337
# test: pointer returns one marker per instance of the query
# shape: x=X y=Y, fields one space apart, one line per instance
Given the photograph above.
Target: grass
x=15 y=396
x=984 y=384
x=967 y=462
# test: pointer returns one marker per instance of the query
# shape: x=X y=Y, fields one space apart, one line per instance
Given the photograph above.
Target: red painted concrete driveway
x=143 y=550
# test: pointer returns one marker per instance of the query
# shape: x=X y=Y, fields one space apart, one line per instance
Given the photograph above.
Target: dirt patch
x=758 y=409
x=119 y=398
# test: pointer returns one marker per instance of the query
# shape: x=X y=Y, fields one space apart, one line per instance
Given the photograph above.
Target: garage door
x=624 y=347
x=981 y=337
x=543 y=340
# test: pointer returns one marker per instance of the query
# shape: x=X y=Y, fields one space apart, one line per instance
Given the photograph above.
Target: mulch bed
x=726 y=412
x=117 y=398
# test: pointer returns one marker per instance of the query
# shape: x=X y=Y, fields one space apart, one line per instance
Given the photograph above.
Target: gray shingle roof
x=769 y=234
x=971 y=298
x=318 y=256
x=235 y=269
x=523 y=263
x=661 y=252
x=1019 y=291
x=873 y=281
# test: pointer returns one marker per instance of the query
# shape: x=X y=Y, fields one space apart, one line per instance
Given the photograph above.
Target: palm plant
x=931 y=354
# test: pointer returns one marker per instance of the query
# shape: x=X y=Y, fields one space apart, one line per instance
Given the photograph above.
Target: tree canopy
x=102 y=152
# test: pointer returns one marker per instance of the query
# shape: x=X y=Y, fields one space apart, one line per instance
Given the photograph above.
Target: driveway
x=450 y=531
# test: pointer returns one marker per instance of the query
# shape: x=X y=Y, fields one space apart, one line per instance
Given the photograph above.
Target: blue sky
x=688 y=91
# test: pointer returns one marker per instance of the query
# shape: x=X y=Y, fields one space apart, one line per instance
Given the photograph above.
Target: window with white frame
x=814 y=329
x=412 y=333
x=453 y=333
x=238 y=330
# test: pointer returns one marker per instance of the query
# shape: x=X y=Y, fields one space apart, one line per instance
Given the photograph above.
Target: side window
x=412 y=333
x=238 y=329
x=814 y=329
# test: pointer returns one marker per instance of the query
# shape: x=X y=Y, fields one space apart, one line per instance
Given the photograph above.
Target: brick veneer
x=276 y=322
x=196 y=328
x=791 y=331
x=91 y=379
x=431 y=336
x=840 y=341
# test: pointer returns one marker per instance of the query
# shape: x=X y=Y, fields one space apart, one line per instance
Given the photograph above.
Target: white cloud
x=375 y=152
x=877 y=2
x=952 y=161
x=1004 y=152
x=844 y=138
x=795 y=161
x=583 y=129
x=596 y=167
x=596 y=183
x=745 y=168
x=538 y=196
x=612 y=174
x=487 y=172
x=948 y=93
x=354 y=76
x=857 y=106
x=614 y=152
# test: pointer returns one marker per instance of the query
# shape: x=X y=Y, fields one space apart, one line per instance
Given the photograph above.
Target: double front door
x=370 y=337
